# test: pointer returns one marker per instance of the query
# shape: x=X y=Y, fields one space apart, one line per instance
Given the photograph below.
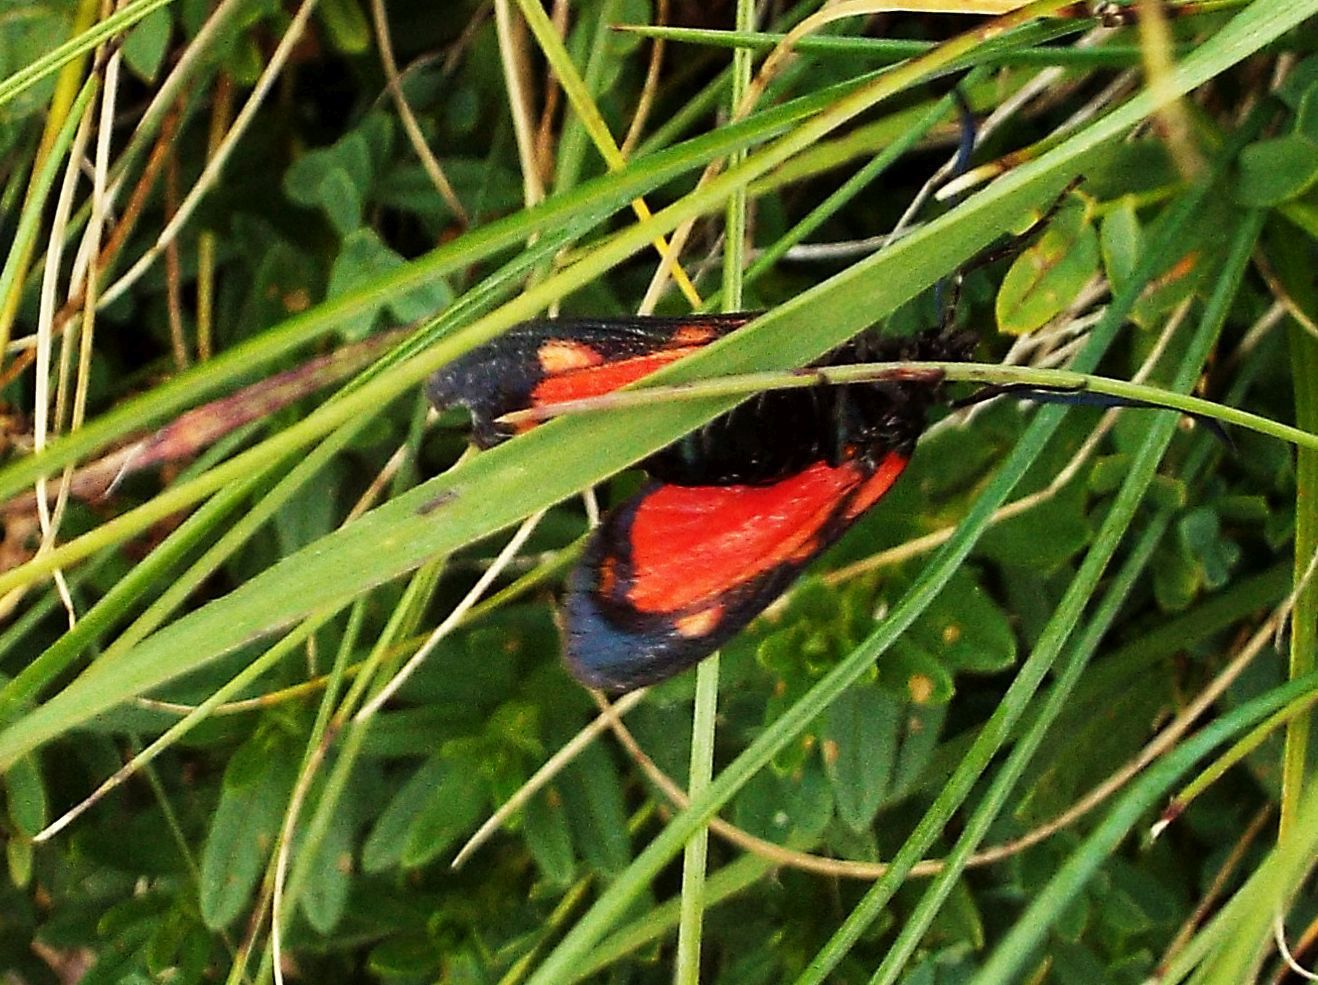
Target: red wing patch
x=690 y=545
x=600 y=377
x=678 y=570
x=552 y=360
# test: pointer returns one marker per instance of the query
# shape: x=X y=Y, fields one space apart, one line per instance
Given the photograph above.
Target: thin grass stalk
x=587 y=119
x=891 y=50
x=585 y=125
x=1063 y=380
x=695 y=853
x=318 y=745
x=1297 y=771
x=33 y=211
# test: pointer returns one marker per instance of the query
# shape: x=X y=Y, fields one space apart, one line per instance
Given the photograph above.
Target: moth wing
x=678 y=570
x=555 y=359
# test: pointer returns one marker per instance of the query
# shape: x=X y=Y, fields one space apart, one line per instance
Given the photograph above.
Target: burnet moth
x=733 y=511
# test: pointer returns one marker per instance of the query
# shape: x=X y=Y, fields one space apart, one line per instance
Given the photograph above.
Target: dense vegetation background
x=239 y=235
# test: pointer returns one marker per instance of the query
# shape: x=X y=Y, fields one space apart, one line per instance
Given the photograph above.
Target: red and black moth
x=733 y=511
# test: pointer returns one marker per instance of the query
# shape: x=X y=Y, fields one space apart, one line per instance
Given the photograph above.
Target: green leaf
x=454 y=806
x=171 y=929
x=345 y=25
x=808 y=801
x=1110 y=725
x=363 y=258
x=1107 y=473
x=409 y=188
x=311 y=512
x=326 y=895
x=911 y=672
x=1299 y=81
x=243 y=827
x=1276 y=170
x=39 y=28
x=593 y=804
x=284 y=281
x=758 y=808
x=1306 y=117
x=545 y=826
x=192 y=960
x=1076 y=964
x=859 y=749
x=341 y=200
x=1122 y=240
x=337 y=179
x=1048 y=275
x=966 y=629
x=1045 y=536
x=245 y=60
x=25 y=796
x=385 y=844
x=1181 y=279
x=921 y=727
x=1243 y=508
x=1176 y=579
x=1200 y=532
x=406 y=957
x=960 y=920
x=780 y=808
x=19 y=854
x=145 y=46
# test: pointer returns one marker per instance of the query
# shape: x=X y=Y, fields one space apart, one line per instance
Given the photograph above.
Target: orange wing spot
x=562 y=356
x=877 y=484
x=607 y=582
x=693 y=335
x=600 y=378
x=700 y=623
